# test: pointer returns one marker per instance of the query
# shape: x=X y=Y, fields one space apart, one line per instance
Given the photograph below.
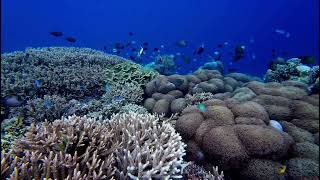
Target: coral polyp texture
x=69 y=72
x=128 y=146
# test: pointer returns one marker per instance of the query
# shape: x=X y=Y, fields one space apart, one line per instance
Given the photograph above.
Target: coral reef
x=192 y=88
x=129 y=145
x=68 y=72
x=293 y=69
x=128 y=72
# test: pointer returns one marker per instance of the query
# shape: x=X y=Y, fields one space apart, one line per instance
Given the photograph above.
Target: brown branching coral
x=75 y=148
x=128 y=146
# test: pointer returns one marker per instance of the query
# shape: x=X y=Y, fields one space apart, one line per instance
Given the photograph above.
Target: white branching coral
x=150 y=150
x=129 y=146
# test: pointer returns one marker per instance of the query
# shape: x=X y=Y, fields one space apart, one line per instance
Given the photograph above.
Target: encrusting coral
x=129 y=145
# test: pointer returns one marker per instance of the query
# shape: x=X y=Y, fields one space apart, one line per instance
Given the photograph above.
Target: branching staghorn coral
x=128 y=146
x=149 y=150
x=74 y=148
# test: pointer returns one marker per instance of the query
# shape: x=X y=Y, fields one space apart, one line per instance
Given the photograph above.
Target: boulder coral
x=230 y=136
x=201 y=85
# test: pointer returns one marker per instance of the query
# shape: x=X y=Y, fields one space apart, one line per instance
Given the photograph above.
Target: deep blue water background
x=98 y=23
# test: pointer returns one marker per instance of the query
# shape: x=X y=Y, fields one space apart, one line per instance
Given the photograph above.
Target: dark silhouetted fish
x=238 y=53
x=231 y=70
x=186 y=59
x=132 y=57
x=56 y=33
x=273 y=53
x=199 y=50
x=219 y=45
x=155 y=49
x=118 y=45
x=130 y=33
x=71 y=39
x=134 y=49
x=104 y=47
x=182 y=43
x=128 y=44
x=307 y=59
x=145 y=44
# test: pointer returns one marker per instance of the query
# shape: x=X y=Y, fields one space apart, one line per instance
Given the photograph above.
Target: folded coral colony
x=78 y=113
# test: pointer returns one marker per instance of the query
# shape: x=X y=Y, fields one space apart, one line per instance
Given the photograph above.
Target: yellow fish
x=283 y=169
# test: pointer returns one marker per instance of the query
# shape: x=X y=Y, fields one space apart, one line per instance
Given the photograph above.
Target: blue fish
x=107 y=88
x=118 y=98
x=47 y=103
x=202 y=107
x=37 y=83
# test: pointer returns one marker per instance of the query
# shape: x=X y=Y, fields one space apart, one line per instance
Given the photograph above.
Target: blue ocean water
x=99 y=23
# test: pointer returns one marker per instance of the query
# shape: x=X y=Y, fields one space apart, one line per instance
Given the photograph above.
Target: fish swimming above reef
x=182 y=43
x=186 y=59
x=145 y=44
x=70 y=39
x=307 y=59
x=130 y=33
x=282 y=32
x=118 y=46
x=238 y=53
x=199 y=50
x=56 y=33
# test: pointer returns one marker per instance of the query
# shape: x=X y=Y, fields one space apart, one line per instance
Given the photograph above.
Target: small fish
x=202 y=107
x=105 y=48
x=118 y=45
x=251 y=40
x=155 y=49
x=199 y=50
x=131 y=57
x=216 y=53
x=178 y=54
x=283 y=169
x=273 y=53
x=307 y=59
x=140 y=51
x=71 y=39
x=226 y=43
x=219 y=45
x=182 y=43
x=130 y=33
x=231 y=70
x=133 y=42
x=127 y=44
x=12 y=101
x=118 y=98
x=107 y=88
x=37 y=83
x=238 y=53
x=56 y=33
x=162 y=46
x=47 y=104
x=134 y=49
x=145 y=44
x=282 y=32
x=253 y=56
